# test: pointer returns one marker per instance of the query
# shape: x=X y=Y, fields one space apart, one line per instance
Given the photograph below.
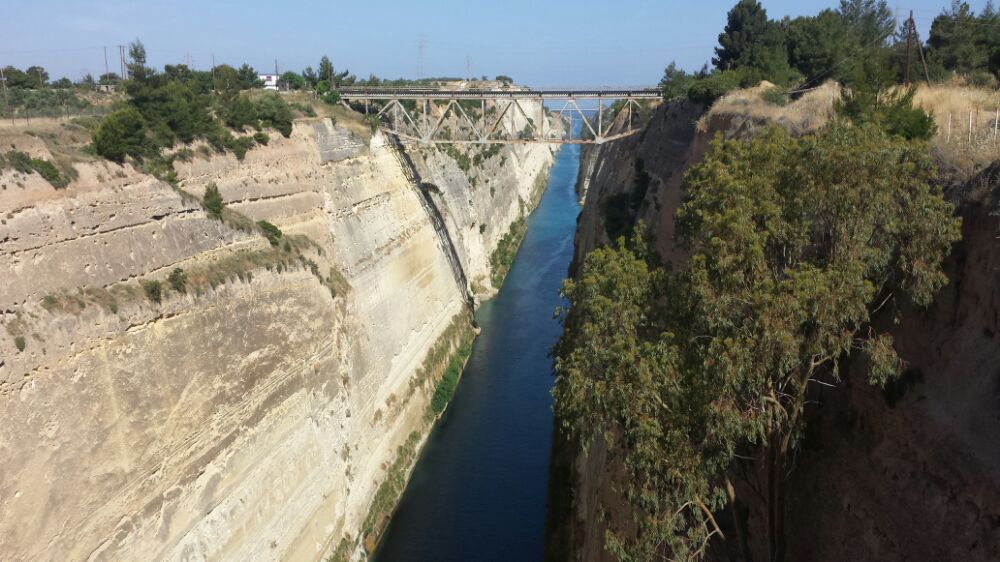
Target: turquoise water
x=478 y=490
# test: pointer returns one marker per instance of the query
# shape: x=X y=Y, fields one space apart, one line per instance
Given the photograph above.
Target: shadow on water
x=479 y=488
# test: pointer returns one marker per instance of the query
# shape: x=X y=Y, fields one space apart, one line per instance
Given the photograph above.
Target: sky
x=582 y=43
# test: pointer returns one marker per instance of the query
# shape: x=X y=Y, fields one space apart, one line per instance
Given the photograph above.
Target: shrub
x=178 y=280
x=274 y=112
x=271 y=232
x=153 y=290
x=331 y=98
x=240 y=146
x=212 y=201
x=19 y=343
x=121 y=134
x=775 y=96
x=712 y=87
x=261 y=138
x=48 y=171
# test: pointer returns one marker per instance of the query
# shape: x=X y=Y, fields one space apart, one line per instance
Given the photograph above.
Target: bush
x=271 y=232
x=775 y=96
x=275 y=113
x=153 y=290
x=178 y=280
x=240 y=146
x=49 y=172
x=121 y=134
x=261 y=138
x=331 y=98
x=212 y=201
x=19 y=343
x=712 y=87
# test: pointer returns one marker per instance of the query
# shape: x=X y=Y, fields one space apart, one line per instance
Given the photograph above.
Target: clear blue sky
x=538 y=42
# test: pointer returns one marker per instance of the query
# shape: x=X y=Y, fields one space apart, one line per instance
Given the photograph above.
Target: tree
x=869 y=95
x=212 y=200
x=121 y=134
x=325 y=69
x=794 y=244
x=226 y=79
x=746 y=30
x=15 y=77
x=137 y=69
x=870 y=21
x=958 y=42
x=109 y=78
x=817 y=44
x=675 y=82
x=248 y=77
x=36 y=77
x=309 y=75
x=292 y=81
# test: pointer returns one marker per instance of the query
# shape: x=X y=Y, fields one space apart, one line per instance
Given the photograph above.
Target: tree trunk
x=739 y=514
x=776 y=500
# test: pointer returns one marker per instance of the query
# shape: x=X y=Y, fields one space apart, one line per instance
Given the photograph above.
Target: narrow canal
x=478 y=490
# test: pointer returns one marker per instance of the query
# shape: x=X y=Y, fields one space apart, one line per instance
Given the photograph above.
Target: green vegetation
x=212 y=200
x=461 y=158
x=271 y=232
x=388 y=492
x=794 y=244
x=446 y=386
x=178 y=280
x=153 y=290
x=180 y=105
x=19 y=343
x=803 y=52
x=22 y=162
x=503 y=257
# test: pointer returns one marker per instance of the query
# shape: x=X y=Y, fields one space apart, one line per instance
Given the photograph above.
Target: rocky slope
x=904 y=474
x=255 y=415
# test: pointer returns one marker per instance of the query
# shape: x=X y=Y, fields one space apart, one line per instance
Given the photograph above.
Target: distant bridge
x=418 y=114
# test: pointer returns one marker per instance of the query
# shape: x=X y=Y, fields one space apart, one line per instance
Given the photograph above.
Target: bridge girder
x=401 y=116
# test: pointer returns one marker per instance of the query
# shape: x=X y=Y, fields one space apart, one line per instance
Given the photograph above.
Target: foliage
x=870 y=21
x=818 y=44
x=24 y=163
x=212 y=200
x=675 y=82
x=775 y=96
x=715 y=85
x=752 y=42
x=331 y=98
x=794 y=243
x=19 y=343
x=261 y=138
x=121 y=134
x=869 y=96
x=153 y=290
x=178 y=280
x=960 y=41
x=446 y=386
x=271 y=232
x=275 y=113
x=503 y=256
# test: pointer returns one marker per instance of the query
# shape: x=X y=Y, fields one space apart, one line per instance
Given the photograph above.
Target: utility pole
x=421 y=43
x=909 y=48
x=468 y=67
x=6 y=102
x=213 y=72
x=106 y=71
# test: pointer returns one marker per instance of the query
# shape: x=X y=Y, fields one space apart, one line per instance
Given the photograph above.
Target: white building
x=270 y=81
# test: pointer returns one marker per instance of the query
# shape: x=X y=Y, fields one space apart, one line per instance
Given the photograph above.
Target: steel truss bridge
x=420 y=114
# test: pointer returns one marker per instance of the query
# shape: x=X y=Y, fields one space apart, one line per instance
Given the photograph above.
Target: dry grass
x=960 y=148
x=810 y=112
x=967 y=138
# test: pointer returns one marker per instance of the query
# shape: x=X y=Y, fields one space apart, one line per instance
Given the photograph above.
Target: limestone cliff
x=255 y=413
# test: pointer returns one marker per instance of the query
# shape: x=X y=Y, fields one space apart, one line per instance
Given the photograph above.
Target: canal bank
x=478 y=490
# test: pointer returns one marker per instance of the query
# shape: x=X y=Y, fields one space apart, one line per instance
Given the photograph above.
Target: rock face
x=254 y=416
x=911 y=473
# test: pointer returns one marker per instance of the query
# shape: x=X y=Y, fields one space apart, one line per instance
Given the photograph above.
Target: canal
x=478 y=490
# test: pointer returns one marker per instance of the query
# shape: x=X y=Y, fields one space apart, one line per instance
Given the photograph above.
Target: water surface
x=478 y=490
